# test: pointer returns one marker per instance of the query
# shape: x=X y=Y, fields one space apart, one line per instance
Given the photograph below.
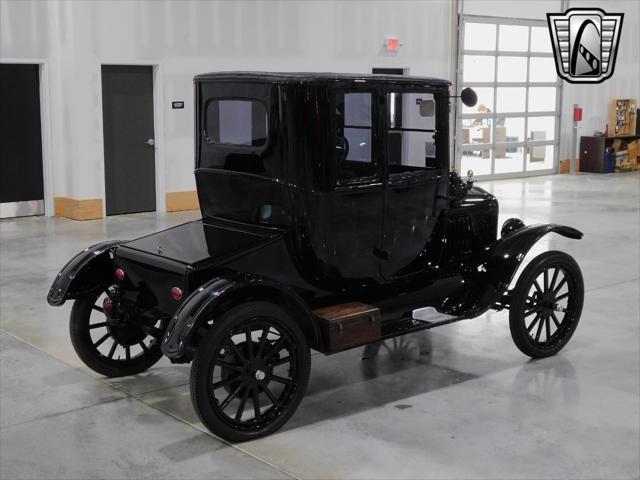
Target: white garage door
x=513 y=130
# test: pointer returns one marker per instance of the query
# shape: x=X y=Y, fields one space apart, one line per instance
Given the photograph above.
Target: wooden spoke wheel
x=250 y=373
x=546 y=304
x=113 y=344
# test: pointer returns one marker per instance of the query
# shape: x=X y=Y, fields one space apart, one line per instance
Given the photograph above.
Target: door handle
x=151 y=142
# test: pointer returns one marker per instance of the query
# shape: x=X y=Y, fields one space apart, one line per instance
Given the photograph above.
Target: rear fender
x=86 y=273
x=488 y=279
x=218 y=295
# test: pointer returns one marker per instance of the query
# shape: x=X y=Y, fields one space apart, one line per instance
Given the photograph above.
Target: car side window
x=411 y=136
x=355 y=157
x=240 y=122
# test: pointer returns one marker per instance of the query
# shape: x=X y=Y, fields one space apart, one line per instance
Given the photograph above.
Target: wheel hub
x=256 y=370
x=126 y=334
x=546 y=302
x=120 y=327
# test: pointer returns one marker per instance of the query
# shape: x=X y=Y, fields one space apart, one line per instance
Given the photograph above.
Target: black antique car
x=330 y=220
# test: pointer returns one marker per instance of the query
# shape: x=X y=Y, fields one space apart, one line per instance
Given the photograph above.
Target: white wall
x=536 y=9
x=189 y=37
x=625 y=83
x=594 y=99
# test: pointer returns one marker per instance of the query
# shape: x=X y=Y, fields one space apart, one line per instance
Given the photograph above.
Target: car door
x=416 y=169
x=348 y=212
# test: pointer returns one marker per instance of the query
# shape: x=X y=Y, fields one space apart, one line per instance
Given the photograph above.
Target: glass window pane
x=512 y=69
x=409 y=151
x=479 y=36
x=540 y=40
x=540 y=157
x=412 y=110
x=513 y=38
x=508 y=159
x=509 y=129
x=485 y=100
x=541 y=128
x=236 y=122
x=357 y=109
x=476 y=130
x=354 y=155
x=510 y=99
x=359 y=144
x=542 y=69
x=478 y=160
x=478 y=68
x=542 y=99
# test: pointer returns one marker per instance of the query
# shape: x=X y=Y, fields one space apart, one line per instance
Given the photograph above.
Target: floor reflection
x=401 y=348
x=372 y=376
x=553 y=380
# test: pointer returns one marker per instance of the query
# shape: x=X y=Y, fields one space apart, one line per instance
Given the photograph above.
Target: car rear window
x=241 y=122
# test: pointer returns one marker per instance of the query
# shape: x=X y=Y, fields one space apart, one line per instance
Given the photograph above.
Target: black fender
x=212 y=298
x=487 y=280
x=84 y=274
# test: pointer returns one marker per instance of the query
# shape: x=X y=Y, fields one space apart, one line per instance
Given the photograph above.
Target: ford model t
x=329 y=217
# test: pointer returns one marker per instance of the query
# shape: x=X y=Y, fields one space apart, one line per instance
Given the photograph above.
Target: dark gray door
x=129 y=152
x=21 y=182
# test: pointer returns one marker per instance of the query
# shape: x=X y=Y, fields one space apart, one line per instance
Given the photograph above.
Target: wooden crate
x=348 y=325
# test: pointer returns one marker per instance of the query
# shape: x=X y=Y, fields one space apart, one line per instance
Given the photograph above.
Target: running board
x=430 y=314
x=351 y=325
x=421 y=319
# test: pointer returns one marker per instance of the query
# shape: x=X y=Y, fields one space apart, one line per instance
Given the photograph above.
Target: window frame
x=386 y=129
x=376 y=157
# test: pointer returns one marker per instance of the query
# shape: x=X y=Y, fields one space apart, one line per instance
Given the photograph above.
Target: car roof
x=316 y=77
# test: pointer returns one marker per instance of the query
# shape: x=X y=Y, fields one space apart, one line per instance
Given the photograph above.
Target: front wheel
x=250 y=373
x=546 y=304
x=112 y=345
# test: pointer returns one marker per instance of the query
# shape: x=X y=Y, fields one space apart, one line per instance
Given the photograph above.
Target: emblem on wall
x=585 y=43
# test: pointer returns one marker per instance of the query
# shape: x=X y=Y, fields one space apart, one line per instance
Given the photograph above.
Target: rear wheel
x=546 y=304
x=250 y=373
x=110 y=346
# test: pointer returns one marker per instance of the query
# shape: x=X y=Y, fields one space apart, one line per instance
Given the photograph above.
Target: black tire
x=546 y=304
x=140 y=350
x=232 y=381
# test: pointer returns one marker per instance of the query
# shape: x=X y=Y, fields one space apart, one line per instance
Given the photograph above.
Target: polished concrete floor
x=458 y=402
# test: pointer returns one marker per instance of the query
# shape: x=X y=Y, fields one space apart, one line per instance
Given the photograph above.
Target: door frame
x=158 y=128
x=457 y=112
x=436 y=176
x=45 y=127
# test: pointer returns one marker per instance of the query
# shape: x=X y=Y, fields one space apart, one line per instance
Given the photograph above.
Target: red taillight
x=106 y=306
x=176 y=293
x=119 y=274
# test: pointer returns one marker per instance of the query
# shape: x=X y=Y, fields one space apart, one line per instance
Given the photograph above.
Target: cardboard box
x=565 y=165
x=626 y=155
x=632 y=148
